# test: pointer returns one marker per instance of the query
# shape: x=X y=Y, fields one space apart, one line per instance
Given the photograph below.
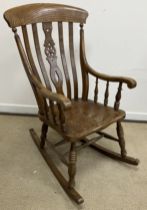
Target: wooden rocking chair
x=72 y=116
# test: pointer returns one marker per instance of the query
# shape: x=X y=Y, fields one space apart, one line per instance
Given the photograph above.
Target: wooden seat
x=99 y=117
x=57 y=88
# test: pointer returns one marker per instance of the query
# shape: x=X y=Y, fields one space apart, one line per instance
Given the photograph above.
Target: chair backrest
x=46 y=14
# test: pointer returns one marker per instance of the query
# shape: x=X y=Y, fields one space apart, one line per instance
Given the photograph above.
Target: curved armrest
x=59 y=98
x=131 y=83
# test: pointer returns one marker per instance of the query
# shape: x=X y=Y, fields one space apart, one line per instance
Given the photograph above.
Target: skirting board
x=18 y=109
x=33 y=110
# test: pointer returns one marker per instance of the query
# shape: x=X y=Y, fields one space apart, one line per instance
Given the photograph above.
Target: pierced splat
x=50 y=51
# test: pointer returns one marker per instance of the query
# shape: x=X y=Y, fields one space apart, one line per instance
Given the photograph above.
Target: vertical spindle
x=61 y=117
x=96 y=91
x=53 y=112
x=106 y=94
x=118 y=97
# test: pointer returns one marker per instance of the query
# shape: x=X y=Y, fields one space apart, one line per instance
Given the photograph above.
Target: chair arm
x=131 y=83
x=59 y=98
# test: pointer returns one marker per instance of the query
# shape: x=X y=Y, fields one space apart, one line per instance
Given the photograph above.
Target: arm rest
x=59 y=98
x=131 y=83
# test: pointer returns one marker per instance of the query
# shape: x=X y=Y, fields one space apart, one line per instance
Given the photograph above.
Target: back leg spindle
x=43 y=134
x=120 y=134
x=72 y=165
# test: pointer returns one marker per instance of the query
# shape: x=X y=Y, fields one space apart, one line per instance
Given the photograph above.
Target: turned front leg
x=72 y=165
x=120 y=134
x=43 y=134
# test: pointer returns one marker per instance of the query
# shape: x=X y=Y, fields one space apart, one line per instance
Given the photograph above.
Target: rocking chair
x=73 y=116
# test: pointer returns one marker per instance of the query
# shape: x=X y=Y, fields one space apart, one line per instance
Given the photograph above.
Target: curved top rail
x=44 y=12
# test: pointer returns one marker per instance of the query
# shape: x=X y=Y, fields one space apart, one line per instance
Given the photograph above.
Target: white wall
x=116 y=43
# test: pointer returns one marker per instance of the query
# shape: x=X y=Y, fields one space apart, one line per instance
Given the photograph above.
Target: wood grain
x=44 y=12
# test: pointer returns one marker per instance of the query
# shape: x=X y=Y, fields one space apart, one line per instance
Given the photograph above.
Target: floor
x=26 y=182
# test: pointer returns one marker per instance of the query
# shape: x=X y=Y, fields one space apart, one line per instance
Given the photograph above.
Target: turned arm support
x=86 y=69
x=59 y=98
x=131 y=83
